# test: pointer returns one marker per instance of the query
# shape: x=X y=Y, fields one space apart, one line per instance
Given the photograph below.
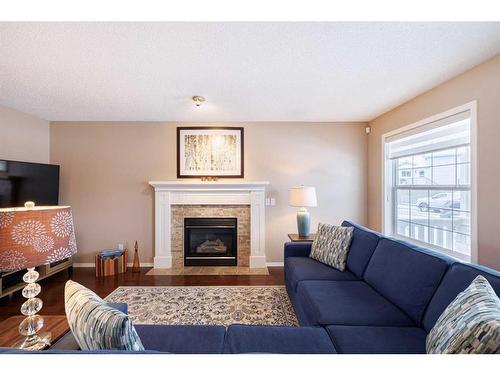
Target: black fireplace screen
x=210 y=242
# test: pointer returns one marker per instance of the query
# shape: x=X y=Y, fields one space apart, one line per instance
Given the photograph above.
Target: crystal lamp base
x=34 y=342
x=33 y=323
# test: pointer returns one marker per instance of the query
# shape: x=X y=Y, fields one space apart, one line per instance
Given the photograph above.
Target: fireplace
x=210 y=241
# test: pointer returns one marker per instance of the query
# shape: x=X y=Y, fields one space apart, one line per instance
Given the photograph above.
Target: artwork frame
x=195 y=146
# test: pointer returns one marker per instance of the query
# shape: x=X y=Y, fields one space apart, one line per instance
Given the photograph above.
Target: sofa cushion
x=457 y=279
x=346 y=303
x=279 y=340
x=378 y=340
x=470 y=324
x=94 y=324
x=331 y=245
x=405 y=274
x=184 y=339
x=302 y=268
x=363 y=244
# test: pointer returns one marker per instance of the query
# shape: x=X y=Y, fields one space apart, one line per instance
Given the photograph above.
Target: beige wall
x=105 y=169
x=481 y=83
x=23 y=137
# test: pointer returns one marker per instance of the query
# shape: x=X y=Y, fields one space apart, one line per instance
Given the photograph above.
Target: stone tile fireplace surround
x=180 y=212
x=175 y=200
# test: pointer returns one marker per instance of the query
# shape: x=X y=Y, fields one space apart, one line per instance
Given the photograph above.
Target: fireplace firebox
x=210 y=241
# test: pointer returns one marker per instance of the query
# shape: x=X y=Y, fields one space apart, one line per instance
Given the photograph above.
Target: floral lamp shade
x=31 y=237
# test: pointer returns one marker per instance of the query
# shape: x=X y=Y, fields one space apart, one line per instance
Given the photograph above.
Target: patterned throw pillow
x=331 y=245
x=95 y=325
x=470 y=323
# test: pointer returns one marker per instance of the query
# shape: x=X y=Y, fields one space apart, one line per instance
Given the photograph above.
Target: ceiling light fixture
x=198 y=100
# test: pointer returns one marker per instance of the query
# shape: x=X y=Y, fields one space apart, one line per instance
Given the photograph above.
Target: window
x=428 y=181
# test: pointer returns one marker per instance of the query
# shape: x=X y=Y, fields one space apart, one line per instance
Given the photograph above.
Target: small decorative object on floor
x=136 y=267
x=303 y=196
x=110 y=262
x=29 y=237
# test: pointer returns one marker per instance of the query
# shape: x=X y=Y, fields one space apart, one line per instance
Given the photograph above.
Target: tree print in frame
x=210 y=152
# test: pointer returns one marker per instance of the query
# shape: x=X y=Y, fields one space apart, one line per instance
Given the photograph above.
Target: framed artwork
x=209 y=152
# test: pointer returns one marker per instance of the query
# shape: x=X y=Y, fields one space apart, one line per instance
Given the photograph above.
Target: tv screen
x=21 y=182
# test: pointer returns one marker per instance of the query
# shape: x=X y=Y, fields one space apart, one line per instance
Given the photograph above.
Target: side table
x=57 y=325
x=294 y=237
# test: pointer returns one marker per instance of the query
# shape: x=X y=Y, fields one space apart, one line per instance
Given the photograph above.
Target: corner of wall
x=24 y=136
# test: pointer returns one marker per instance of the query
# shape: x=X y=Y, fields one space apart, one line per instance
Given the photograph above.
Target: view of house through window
x=428 y=181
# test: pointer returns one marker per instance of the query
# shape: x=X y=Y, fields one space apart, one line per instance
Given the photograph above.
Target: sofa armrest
x=297 y=249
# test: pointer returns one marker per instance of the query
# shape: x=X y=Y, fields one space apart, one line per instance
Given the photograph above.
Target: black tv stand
x=11 y=282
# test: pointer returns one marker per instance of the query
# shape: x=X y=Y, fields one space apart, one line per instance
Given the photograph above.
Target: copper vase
x=136 y=266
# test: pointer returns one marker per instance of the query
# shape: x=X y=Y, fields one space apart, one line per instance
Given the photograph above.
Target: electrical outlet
x=120 y=246
x=273 y=201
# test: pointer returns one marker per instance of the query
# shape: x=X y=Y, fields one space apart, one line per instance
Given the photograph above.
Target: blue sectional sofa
x=386 y=301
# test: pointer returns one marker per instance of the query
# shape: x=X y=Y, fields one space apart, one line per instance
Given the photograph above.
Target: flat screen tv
x=21 y=182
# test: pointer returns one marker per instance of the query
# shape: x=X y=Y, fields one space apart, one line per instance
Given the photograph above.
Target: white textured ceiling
x=247 y=71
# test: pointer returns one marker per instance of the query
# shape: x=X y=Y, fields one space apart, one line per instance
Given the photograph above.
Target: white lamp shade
x=303 y=196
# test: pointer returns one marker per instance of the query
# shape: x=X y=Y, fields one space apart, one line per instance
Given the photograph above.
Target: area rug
x=208 y=305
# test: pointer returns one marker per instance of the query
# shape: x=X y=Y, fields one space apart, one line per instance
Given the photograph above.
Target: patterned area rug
x=209 y=305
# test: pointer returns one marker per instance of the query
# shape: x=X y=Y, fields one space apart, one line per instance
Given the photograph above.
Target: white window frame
x=387 y=171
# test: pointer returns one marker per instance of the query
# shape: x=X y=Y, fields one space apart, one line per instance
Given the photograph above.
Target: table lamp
x=29 y=237
x=303 y=196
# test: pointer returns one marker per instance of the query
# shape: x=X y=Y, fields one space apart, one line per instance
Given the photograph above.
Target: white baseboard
x=142 y=264
x=274 y=264
x=92 y=265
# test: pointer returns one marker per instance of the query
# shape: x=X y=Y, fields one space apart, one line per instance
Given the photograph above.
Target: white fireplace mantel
x=183 y=192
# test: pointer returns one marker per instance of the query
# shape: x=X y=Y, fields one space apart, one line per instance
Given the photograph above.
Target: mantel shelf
x=178 y=185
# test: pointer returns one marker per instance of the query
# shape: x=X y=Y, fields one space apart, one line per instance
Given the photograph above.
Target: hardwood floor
x=53 y=288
